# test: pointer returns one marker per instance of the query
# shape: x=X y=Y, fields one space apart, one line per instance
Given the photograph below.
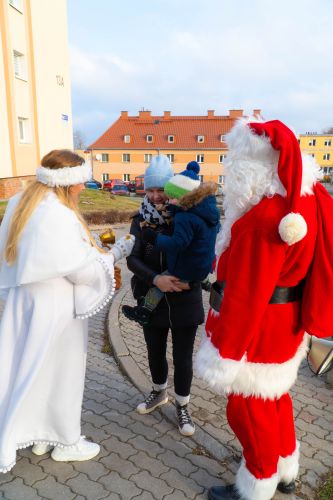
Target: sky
x=188 y=56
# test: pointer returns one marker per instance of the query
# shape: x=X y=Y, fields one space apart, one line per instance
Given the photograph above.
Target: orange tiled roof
x=185 y=130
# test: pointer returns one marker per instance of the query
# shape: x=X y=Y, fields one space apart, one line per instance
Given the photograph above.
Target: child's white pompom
x=292 y=228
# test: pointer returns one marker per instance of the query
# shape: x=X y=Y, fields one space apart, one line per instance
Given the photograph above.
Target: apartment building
x=35 y=97
x=125 y=149
x=320 y=146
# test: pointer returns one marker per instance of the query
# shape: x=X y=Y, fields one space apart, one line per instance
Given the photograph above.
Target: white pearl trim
x=108 y=296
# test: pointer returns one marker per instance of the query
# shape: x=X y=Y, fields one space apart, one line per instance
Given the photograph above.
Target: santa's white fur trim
x=66 y=176
x=288 y=466
x=265 y=380
x=292 y=228
x=251 y=488
x=219 y=372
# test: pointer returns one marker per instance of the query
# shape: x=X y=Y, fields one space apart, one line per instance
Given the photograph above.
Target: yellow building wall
x=42 y=94
x=211 y=168
x=319 y=149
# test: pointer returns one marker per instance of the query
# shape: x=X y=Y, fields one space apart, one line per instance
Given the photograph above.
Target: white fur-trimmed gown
x=57 y=281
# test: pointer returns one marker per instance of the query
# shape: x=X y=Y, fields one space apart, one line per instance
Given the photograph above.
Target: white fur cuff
x=251 y=488
x=66 y=176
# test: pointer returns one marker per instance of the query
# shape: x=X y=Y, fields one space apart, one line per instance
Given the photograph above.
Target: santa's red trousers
x=265 y=429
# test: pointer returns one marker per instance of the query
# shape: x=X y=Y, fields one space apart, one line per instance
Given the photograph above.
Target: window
x=148 y=157
x=126 y=157
x=312 y=142
x=222 y=138
x=171 y=157
x=19 y=65
x=171 y=138
x=201 y=138
x=17 y=4
x=105 y=157
x=24 y=132
x=127 y=139
x=221 y=179
x=200 y=158
x=326 y=156
x=105 y=177
x=222 y=158
x=201 y=177
x=126 y=177
x=149 y=138
x=328 y=142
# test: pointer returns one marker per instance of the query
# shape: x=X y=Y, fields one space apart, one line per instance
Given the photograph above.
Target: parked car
x=120 y=189
x=93 y=184
x=131 y=186
x=108 y=185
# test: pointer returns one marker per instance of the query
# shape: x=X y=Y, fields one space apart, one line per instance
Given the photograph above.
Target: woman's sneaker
x=83 y=450
x=152 y=401
x=41 y=448
x=185 y=424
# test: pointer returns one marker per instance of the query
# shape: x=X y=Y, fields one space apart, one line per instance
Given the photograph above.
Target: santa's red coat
x=253 y=347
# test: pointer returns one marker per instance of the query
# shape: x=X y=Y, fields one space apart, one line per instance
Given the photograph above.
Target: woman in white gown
x=52 y=278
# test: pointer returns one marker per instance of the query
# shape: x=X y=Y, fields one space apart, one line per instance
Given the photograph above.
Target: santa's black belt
x=281 y=294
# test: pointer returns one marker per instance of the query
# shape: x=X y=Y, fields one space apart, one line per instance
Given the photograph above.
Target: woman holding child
x=171 y=244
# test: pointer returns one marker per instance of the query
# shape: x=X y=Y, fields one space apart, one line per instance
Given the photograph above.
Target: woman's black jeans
x=182 y=348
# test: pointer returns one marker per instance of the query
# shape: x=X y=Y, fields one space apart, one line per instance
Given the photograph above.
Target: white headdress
x=66 y=176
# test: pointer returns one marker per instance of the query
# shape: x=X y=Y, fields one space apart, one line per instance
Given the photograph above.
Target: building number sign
x=60 y=80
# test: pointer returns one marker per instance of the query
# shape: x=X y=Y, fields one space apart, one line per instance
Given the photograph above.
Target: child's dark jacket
x=190 y=250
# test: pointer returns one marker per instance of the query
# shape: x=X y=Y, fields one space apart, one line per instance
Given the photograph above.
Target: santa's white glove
x=123 y=247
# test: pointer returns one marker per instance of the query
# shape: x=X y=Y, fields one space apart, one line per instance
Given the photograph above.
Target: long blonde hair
x=34 y=194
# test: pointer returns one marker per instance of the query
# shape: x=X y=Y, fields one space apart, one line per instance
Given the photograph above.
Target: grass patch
x=93 y=200
x=101 y=207
x=326 y=490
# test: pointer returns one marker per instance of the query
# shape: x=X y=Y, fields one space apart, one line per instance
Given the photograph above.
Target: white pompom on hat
x=292 y=227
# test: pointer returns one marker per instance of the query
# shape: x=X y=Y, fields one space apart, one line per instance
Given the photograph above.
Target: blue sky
x=188 y=56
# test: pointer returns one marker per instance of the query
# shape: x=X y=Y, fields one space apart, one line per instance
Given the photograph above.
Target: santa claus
x=273 y=256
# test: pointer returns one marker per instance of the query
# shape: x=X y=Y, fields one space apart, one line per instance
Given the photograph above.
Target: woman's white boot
x=83 y=450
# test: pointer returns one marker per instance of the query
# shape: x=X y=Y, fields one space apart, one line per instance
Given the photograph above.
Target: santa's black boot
x=287 y=488
x=224 y=493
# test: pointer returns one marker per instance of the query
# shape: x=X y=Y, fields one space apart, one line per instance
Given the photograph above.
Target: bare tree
x=79 y=140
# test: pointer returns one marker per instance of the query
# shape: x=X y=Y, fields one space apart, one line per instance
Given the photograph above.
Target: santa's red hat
x=292 y=227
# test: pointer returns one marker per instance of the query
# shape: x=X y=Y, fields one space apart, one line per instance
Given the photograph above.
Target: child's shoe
x=140 y=314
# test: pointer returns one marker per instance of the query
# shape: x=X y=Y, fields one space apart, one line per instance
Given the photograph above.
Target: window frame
x=200 y=158
x=147 y=157
x=126 y=160
x=169 y=139
x=20 y=66
x=24 y=134
x=150 y=136
x=201 y=139
x=172 y=159
x=127 y=138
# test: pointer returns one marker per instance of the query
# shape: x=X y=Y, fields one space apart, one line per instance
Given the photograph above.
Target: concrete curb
x=130 y=368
